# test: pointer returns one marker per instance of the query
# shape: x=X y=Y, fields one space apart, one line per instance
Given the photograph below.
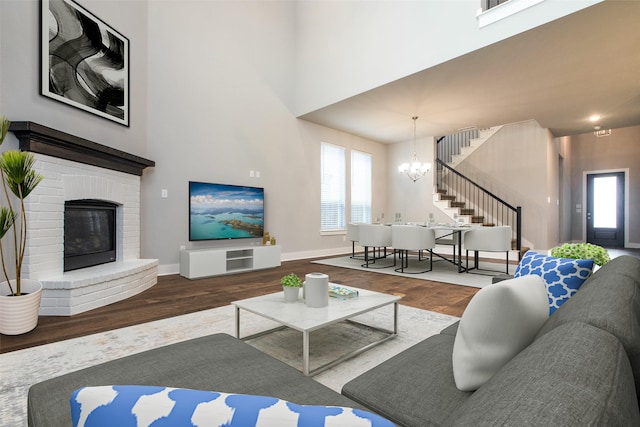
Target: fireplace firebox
x=89 y=233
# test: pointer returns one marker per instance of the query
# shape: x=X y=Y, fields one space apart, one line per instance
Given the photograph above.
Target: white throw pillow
x=499 y=322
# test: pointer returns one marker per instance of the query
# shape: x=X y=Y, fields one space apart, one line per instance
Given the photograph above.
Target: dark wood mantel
x=43 y=140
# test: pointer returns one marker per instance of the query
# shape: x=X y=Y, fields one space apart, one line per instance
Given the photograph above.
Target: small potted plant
x=19 y=297
x=598 y=254
x=291 y=285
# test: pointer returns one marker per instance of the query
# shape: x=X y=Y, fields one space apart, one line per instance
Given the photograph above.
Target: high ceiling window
x=360 y=187
x=338 y=200
x=333 y=191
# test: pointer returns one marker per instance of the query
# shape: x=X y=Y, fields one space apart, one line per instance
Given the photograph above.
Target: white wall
x=513 y=166
x=219 y=74
x=565 y=189
x=553 y=192
x=347 y=47
x=413 y=200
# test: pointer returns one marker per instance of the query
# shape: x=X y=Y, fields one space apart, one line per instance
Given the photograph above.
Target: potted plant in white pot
x=291 y=285
x=19 y=297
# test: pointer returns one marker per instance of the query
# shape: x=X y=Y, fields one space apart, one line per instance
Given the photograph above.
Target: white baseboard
x=167 y=269
x=291 y=256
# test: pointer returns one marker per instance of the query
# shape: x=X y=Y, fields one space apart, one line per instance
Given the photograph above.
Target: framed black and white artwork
x=84 y=62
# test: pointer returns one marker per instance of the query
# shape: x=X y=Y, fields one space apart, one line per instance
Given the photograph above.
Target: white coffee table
x=307 y=319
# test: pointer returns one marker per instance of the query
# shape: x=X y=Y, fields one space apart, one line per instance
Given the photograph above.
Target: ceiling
x=558 y=74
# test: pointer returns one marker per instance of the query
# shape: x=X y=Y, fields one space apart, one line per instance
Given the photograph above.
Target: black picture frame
x=84 y=62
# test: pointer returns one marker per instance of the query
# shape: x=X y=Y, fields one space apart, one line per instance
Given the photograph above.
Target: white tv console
x=196 y=263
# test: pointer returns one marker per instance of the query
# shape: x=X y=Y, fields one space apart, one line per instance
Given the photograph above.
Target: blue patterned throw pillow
x=151 y=406
x=562 y=276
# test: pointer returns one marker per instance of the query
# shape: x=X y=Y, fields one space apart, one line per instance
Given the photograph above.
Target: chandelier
x=414 y=169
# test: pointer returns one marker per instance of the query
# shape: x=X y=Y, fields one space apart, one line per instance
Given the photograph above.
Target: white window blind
x=360 y=187
x=333 y=200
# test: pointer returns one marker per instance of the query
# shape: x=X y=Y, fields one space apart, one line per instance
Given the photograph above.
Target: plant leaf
x=4 y=128
x=7 y=219
x=30 y=182
x=18 y=169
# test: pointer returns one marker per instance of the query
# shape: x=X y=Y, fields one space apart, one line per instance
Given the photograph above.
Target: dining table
x=457 y=231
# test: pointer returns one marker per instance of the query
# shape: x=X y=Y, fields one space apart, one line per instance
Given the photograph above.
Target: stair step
x=457 y=204
x=441 y=191
x=443 y=205
x=466 y=151
x=445 y=197
x=466 y=211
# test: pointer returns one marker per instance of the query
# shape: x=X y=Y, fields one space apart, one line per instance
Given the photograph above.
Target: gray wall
x=210 y=82
x=20 y=98
x=619 y=151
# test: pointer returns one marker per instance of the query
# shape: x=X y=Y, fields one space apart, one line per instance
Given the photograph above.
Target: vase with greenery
x=19 y=179
x=598 y=254
x=291 y=285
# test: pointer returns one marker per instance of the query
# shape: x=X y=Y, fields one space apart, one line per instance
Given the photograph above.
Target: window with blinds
x=360 y=187
x=333 y=191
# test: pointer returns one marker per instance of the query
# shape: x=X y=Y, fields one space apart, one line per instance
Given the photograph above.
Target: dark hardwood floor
x=174 y=295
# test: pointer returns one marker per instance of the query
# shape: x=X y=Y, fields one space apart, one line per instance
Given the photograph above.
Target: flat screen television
x=222 y=211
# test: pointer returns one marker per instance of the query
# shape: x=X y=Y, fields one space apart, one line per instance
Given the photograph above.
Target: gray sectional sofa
x=582 y=369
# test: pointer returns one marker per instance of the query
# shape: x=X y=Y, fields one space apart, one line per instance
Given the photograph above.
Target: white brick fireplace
x=73 y=292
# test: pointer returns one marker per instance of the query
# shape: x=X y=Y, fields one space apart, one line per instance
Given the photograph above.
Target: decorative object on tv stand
x=598 y=254
x=414 y=169
x=19 y=297
x=316 y=290
x=77 y=46
x=291 y=285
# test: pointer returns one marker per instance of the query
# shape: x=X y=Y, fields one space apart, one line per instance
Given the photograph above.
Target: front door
x=605 y=209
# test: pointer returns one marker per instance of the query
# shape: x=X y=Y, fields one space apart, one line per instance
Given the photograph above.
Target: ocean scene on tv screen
x=225 y=211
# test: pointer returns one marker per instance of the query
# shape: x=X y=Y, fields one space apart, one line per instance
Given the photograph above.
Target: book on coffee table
x=337 y=291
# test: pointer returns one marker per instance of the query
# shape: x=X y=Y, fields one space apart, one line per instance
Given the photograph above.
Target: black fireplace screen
x=89 y=233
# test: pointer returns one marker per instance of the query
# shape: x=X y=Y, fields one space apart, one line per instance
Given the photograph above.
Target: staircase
x=465 y=149
x=463 y=200
x=453 y=150
x=456 y=210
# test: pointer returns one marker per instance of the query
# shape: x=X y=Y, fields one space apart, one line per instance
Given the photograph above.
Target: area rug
x=20 y=369
x=443 y=271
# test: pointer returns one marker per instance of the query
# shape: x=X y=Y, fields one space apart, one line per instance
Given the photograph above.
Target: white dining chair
x=353 y=236
x=374 y=237
x=405 y=238
x=487 y=239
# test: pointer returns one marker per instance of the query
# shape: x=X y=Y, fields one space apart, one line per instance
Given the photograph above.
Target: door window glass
x=604 y=202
